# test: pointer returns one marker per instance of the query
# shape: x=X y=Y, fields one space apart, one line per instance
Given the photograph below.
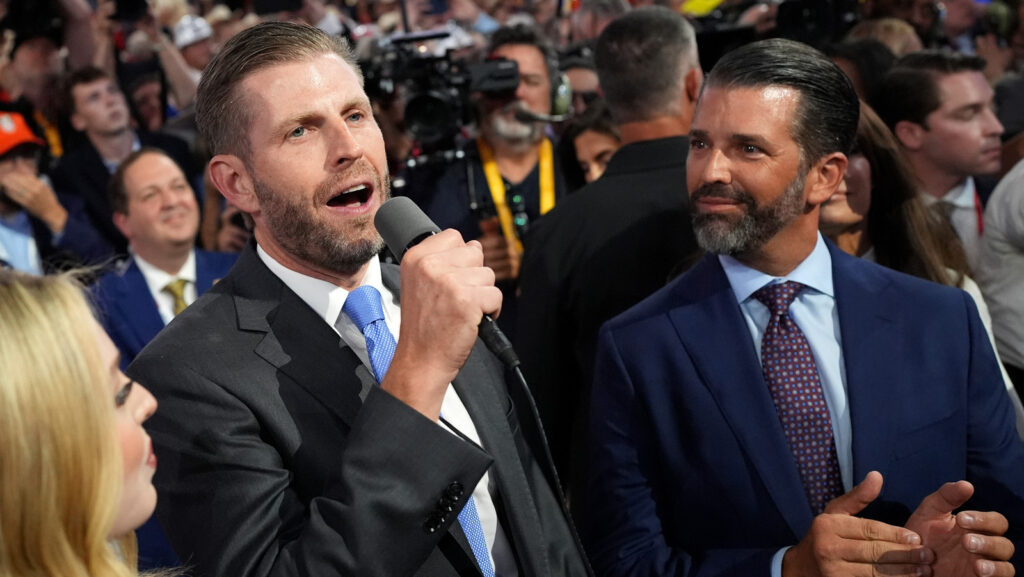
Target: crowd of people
x=762 y=264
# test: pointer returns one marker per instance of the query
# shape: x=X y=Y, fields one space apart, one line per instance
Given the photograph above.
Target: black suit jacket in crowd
x=600 y=251
x=280 y=455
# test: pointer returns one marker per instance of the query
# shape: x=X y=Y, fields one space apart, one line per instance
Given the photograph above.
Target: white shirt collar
x=815 y=272
x=326 y=299
x=960 y=196
x=157 y=279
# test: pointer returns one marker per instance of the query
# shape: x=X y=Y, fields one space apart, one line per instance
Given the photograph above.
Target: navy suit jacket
x=691 y=473
x=127 y=309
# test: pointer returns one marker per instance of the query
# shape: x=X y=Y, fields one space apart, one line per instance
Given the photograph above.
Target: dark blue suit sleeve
x=995 y=454
x=623 y=532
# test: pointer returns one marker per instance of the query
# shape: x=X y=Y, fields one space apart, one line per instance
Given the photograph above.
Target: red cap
x=14 y=131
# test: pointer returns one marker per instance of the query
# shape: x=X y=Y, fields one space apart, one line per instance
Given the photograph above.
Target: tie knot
x=176 y=288
x=363 y=306
x=778 y=297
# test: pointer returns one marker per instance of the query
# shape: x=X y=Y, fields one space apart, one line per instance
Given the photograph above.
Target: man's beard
x=304 y=234
x=717 y=234
x=506 y=127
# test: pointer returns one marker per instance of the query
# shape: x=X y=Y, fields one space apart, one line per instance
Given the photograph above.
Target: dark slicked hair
x=910 y=91
x=642 y=58
x=222 y=115
x=825 y=120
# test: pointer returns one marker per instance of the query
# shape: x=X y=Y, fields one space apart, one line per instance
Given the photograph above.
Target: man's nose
x=992 y=125
x=344 y=146
x=716 y=168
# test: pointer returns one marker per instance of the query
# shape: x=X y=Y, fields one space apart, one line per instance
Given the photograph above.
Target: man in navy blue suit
x=155 y=209
x=784 y=409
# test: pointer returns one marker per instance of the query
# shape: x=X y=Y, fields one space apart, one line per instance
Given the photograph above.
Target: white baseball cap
x=191 y=29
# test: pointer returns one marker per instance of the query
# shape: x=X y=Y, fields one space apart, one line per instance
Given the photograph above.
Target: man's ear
x=910 y=134
x=231 y=177
x=692 y=83
x=122 y=224
x=825 y=177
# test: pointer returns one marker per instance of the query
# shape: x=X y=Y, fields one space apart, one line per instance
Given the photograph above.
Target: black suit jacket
x=81 y=173
x=279 y=455
x=599 y=252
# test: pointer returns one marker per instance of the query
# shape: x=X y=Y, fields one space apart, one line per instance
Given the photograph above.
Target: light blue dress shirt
x=18 y=245
x=815 y=312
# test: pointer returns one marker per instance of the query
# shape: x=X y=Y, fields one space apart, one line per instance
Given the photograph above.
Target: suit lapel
x=297 y=341
x=710 y=324
x=475 y=385
x=484 y=402
x=866 y=324
x=204 y=273
x=135 y=303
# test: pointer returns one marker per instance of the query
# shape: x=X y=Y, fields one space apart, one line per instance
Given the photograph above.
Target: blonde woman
x=75 y=463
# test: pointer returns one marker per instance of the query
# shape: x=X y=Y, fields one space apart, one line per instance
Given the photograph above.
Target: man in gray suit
x=295 y=436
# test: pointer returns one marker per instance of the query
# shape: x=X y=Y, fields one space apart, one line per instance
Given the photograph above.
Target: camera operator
x=510 y=177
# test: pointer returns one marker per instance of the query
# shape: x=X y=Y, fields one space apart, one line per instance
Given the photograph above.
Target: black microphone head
x=402 y=224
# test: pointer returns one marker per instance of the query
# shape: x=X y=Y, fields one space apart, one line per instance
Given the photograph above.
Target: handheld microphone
x=530 y=116
x=403 y=225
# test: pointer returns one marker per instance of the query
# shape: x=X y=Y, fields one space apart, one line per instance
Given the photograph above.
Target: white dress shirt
x=18 y=245
x=327 y=301
x=157 y=279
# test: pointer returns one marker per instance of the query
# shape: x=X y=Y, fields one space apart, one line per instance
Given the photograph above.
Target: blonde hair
x=60 y=464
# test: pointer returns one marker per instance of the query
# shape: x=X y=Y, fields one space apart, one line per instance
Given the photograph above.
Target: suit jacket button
x=455 y=490
x=433 y=523
x=447 y=504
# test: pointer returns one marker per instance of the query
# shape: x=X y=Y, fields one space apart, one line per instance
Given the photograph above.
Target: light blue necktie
x=363 y=306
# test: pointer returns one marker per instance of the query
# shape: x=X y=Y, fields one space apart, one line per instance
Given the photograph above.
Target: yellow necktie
x=176 y=288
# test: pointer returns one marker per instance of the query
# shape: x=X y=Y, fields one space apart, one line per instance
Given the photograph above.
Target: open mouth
x=353 y=197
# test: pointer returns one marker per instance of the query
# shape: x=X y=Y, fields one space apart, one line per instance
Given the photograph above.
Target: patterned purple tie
x=793 y=381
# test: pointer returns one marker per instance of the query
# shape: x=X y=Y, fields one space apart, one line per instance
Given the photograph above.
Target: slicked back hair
x=825 y=120
x=910 y=91
x=222 y=114
x=642 y=58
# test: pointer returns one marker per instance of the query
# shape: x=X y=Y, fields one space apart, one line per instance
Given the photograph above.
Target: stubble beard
x=309 y=239
x=718 y=234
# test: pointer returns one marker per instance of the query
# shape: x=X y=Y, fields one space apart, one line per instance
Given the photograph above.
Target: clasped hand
x=935 y=542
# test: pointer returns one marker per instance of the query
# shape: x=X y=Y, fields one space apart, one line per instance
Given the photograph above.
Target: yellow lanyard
x=497 y=187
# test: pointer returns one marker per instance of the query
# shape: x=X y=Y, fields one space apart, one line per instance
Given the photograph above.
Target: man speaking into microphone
x=312 y=421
